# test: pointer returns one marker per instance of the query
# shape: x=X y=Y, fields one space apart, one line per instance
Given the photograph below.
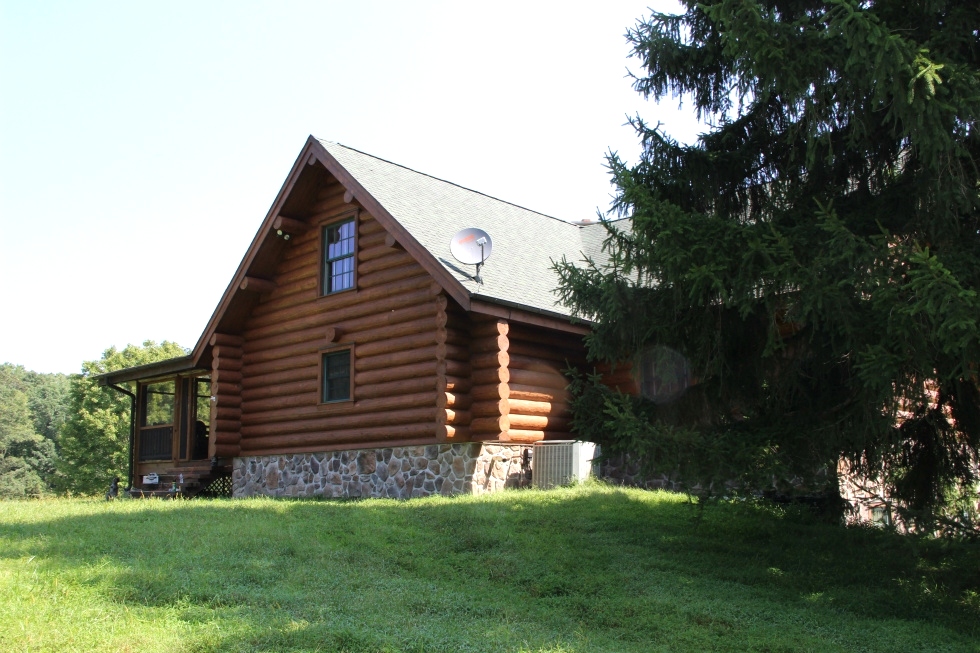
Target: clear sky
x=141 y=144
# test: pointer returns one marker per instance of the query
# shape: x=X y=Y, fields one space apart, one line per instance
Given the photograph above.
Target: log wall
x=423 y=369
x=538 y=399
x=394 y=322
x=226 y=393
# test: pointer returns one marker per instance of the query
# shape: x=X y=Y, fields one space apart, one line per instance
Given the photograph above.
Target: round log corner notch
x=257 y=285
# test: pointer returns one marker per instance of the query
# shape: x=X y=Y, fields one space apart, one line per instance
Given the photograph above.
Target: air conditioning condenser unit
x=559 y=462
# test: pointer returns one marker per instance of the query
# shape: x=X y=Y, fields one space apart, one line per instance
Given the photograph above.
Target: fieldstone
x=315 y=465
x=367 y=462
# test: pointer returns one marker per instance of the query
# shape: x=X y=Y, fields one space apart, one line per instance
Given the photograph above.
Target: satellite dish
x=472 y=246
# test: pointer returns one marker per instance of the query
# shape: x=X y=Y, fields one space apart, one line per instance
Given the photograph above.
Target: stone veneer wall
x=395 y=472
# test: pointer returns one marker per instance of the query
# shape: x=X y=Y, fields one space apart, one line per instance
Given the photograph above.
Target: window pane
x=339 y=260
x=336 y=376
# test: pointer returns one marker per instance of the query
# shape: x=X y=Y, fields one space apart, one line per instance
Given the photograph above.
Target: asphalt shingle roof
x=432 y=210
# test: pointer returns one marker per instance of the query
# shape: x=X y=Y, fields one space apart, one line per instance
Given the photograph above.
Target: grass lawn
x=589 y=568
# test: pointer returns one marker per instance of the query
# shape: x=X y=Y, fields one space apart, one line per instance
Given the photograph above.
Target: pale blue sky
x=141 y=144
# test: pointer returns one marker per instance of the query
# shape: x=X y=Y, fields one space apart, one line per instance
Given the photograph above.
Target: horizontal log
x=290 y=225
x=405 y=386
x=330 y=198
x=343 y=306
x=281 y=353
x=455 y=367
x=546 y=337
x=456 y=401
x=561 y=357
x=229 y=436
x=281 y=408
x=402 y=343
x=525 y=407
x=489 y=328
x=424 y=325
x=323 y=440
x=490 y=392
x=228 y=412
x=488 y=344
x=350 y=328
x=391 y=241
x=313 y=421
x=534 y=393
x=308 y=361
x=539 y=423
x=490 y=375
x=426 y=368
x=449 y=352
x=489 y=424
x=369 y=253
x=226 y=425
x=493 y=359
x=370 y=241
x=226 y=351
x=453 y=384
x=300 y=269
x=255 y=284
x=365 y=363
x=456 y=417
x=219 y=390
x=332 y=334
x=225 y=451
x=538 y=379
x=225 y=339
x=226 y=376
x=385 y=277
x=226 y=364
x=484 y=408
x=307 y=386
x=535 y=365
x=278 y=378
x=368 y=227
x=394 y=259
x=227 y=401
x=522 y=436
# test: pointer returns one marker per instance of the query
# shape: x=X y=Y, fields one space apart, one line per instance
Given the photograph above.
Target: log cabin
x=352 y=355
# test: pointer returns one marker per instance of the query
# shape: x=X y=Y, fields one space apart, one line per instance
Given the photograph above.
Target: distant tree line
x=65 y=434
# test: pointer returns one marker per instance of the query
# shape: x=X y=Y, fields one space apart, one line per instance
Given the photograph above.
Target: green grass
x=581 y=569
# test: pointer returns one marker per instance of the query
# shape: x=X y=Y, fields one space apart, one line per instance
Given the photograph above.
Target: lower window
x=335 y=374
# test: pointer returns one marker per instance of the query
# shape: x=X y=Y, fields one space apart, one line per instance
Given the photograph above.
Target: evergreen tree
x=813 y=260
x=94 y=442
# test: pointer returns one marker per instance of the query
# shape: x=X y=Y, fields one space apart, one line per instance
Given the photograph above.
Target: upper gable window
x=338 y=256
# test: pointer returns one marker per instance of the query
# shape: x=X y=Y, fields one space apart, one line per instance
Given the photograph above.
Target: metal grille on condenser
x=219 y=487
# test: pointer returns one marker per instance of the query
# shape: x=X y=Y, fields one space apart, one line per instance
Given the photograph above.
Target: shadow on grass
x=572 y=570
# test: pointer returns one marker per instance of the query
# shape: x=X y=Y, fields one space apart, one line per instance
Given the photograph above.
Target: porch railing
x=156 y=443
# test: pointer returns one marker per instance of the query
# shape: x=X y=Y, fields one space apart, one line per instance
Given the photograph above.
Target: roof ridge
x=451 y=183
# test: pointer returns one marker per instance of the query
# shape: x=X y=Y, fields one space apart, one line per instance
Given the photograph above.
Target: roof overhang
x=169 y=367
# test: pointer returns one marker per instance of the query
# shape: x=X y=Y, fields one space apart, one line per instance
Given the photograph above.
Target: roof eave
x=171 y=366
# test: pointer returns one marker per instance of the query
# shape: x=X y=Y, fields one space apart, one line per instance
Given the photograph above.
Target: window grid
x=338 y=262
x=336 y=376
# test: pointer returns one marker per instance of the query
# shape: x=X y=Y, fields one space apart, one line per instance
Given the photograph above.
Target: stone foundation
x=395 y=472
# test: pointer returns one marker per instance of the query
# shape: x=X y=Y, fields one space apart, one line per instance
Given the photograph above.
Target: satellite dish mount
x=472 y=246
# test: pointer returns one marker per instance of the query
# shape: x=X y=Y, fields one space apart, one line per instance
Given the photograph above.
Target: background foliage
x=32 y=410
x=814 y=257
